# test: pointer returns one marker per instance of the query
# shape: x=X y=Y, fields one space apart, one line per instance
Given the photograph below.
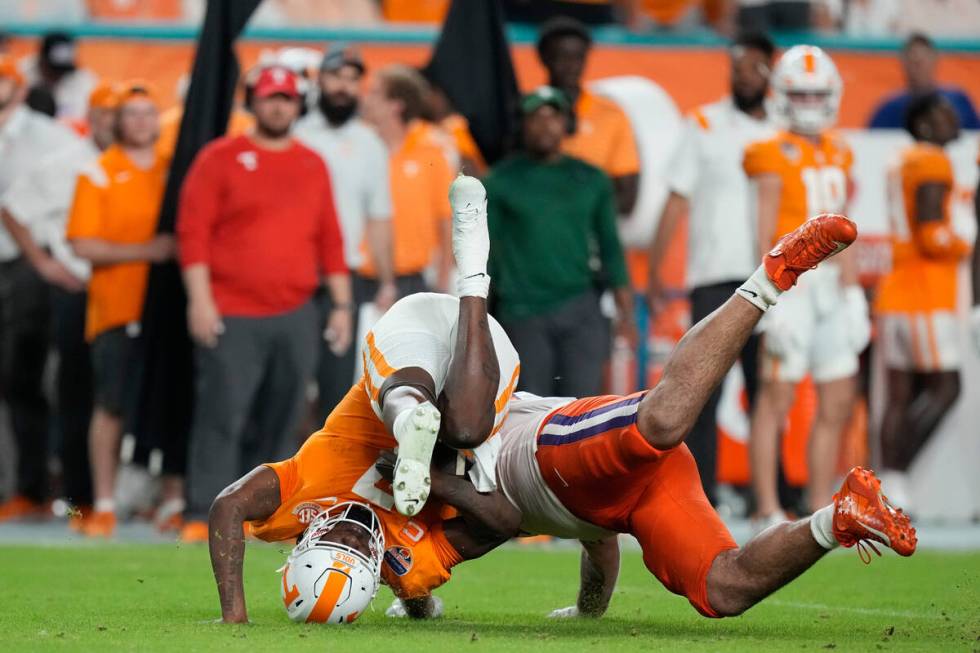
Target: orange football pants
x=604 y=472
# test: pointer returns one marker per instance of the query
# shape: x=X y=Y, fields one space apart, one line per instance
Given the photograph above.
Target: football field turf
x=162 y=597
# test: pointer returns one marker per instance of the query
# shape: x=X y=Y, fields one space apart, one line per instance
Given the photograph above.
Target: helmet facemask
x=330 y=581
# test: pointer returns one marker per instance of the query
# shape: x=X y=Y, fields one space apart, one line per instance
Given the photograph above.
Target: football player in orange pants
x=594 y=467
x=917 y=300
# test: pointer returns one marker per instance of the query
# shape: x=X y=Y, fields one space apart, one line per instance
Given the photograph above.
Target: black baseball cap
x=58 y=51
x=340 y=55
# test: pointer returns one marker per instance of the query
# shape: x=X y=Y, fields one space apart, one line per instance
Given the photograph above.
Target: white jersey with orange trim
x=420 y=331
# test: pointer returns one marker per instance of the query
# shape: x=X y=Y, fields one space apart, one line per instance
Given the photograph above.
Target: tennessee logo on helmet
x=399 y=559
x=305 y=512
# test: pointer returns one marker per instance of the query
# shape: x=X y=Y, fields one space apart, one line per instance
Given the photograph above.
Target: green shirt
x=547 y=221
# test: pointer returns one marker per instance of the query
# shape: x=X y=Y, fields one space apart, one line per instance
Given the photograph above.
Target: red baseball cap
x=276 y=80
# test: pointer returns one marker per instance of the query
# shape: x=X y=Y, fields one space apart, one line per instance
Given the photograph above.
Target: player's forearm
x=227 y=547
x=254 y=496
x=599 y=572
x=467 y=401
x=487 y=520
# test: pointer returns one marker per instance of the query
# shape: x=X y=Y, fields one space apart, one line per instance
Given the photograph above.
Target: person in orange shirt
x=600 y=132
x=916 y=301
x=801 y=172
x=112 y=225
x=975 y=311
x=420 y=176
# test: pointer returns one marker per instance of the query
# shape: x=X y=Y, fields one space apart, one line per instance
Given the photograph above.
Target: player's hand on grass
x=55 y=273
x=204 y=322
x=426 y=607
x=338 y=333
x=570 y=612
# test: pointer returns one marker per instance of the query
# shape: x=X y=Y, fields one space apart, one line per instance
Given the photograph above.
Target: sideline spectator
x=113 y=225
x=706 y=179
x=600 y=132
x=35 y=212
x=420 y=177
x=257 y=229
x=358 y=164
x=919 y=59
x=919 y=326
x=56 y=69
x=25 y=138
x=547 y=210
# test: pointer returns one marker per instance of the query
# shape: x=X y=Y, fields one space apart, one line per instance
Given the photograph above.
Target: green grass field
x=162 y=598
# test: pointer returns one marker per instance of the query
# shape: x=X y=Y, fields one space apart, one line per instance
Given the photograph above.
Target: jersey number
x=826 y=189
x=370 y=487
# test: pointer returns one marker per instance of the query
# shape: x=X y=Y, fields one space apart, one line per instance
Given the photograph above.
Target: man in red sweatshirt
x=257 y=232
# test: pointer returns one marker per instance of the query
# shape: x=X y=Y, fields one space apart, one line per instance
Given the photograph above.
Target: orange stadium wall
x=690 y=76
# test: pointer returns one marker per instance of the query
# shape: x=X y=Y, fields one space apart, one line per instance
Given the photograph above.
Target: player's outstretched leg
x=465 y=412
x=705 y=354
x=860 y=515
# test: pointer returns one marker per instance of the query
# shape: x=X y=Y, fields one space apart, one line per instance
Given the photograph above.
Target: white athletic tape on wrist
x=474 y=286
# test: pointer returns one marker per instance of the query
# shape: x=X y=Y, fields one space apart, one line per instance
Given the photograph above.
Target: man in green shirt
x=551 y=218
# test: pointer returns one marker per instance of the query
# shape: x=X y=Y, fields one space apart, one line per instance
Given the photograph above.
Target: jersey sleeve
x=625 y=160
x=413 y=569
x=762 y=158
x=88 y=206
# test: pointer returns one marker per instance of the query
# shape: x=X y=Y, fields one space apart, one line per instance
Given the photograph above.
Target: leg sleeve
x=678 y=530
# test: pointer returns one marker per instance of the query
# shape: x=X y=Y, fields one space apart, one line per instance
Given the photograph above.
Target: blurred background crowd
x=178 y=306
x=853 y=17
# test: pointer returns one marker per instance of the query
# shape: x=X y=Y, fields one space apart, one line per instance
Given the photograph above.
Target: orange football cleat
x=194 y=532
x=814 y=241
x=863 y=515
x=99 y=524
x=19 y=507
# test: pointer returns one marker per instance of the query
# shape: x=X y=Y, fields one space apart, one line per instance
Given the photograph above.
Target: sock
x=760 y=290
x=105 y=505
x=822 y=527
x=398 y=426
x=477 y=285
